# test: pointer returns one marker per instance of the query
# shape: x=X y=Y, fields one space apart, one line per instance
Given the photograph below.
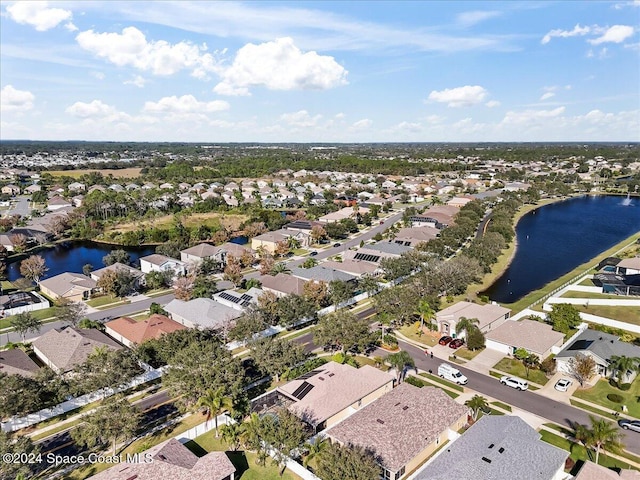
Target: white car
x=563 y=384
x=514 y=382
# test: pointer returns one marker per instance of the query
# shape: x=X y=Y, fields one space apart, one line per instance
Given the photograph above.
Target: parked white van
x=452 y=374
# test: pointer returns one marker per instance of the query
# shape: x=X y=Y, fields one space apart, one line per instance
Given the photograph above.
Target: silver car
x=630 y=425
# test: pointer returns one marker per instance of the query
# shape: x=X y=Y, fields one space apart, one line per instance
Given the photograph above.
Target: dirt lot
x=122 y=173
x=230 y=222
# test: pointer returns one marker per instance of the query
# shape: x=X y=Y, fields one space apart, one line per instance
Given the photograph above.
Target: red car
x=456 y=343
x=444 y=340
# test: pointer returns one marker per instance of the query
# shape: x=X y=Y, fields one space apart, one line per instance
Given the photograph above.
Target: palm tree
x=215 y=402
x=425 y=311
x=293 y=243
x=602 y=435
x=477 y=403
x=231 y=434
x=621 y=364
x=466 y=324
x=279 y=267
x=315 y=450
x=252 y=432
x=400 y=361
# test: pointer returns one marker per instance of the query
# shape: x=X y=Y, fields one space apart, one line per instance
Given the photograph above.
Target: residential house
x=489 y=316
x=404 y=427
x=628 y=266
x=121 y=267
x=282 y=284
x=343 y=213
x=459 y=202
x=236 y=251
x=376 y=251
x=321 y=273
x=497 y=447
x=334 y=391
x=33 y=188
x=20 y=302
x=238 y=301
x=162 y=263
x=172 y=460
x=269 y=241
x=16 y=362
x=10 y=190
x=535 y=337
x=198 y=253
x=358 y=268
x=57 y=202
x=76 y=187
x=601 y=347
x=72 y=286
x=130 y=332
x=410 y=237
x=62 y=349
x=592 y=471
x=201 y=313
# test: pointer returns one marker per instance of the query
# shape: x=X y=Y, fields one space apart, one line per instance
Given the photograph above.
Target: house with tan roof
x=73 y=286
x=592 y=471
x=201 y=313
x=10 y=190
x=535 y=337
x=16 y=362
x=282 y=284
x=411 y=237
x=118 y=267
x=334 y=391
x=403 y=428
x=57 y=202
x=62 y=349
x=354 y=267
x=489 y=316
x=130 y=333
x=270 y=240
x=162 y=263
x=202 y=251
x=172 y=460
x=628 y=266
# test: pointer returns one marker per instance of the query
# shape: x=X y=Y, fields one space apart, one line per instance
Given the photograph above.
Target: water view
x=556 y=238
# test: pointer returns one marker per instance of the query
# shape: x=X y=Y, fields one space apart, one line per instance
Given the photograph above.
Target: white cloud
x=492 y=104
x=547 y=95
x=131 y=48
x=37 y=14
x=460 y=96
x=577 y=31
x=477 y=16
x=98 y=75
x=615 y=34
x=407 y=127
x=280 y=65
x=14 y=100
x=95 y=109
x=185 y=104
x=531 y=117
x=362 y=124
x=300 y=119
x=340 y=115
x=137 y=80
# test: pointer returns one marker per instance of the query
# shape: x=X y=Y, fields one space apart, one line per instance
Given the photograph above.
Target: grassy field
x=576 y=294
x=515 y=367
x=121 y=173
x=598 y=395
x=244 y=461
x=39 y=314
x=615 y=312
x=230 y=222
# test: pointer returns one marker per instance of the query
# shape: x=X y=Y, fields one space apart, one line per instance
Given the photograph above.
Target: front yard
x=410 y=331
x=515 y=367
x=598 y=395
x=103 y=300
x=617 y=312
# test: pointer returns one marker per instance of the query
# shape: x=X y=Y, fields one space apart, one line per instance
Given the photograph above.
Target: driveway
x=485 y=360
x=21 y=207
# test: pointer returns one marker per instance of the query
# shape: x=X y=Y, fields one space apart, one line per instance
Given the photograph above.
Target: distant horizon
x=320 y=72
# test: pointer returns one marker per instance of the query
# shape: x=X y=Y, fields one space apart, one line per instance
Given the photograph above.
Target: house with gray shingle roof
x=73 y=286
x=16 y=362
x=201 y=313
x=161 y=263
x=496 y=448
x=282 y=284
x=535 y=337
x=199 y=252
x=601 y=347
x=62 y=349
x=403 y=427
x=172 y=460
x=320 y=273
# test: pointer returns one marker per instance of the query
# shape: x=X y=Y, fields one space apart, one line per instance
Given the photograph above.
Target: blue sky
x=320 y=71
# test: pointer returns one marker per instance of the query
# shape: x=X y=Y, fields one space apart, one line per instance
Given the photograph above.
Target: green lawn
x=39 y=314
x=578 y=452
x=102 y=301
x=598 y=395
x=515 y=367
x=410 y=331
x=244 y=461
x=587 y=295
x=501 y=405
x=464 y=352
x=615 y=312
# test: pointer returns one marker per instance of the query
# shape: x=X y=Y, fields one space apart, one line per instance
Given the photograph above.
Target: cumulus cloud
x=407 y=127
x=37 y=14
x=362 y=124
x=492 y=104
x=460 y=96
x=94 y=109
x=529 y=117
x=137 y=80
x=280 y=65
x=577 y=31
x=131 y=48
x=14 y=100
x=300 y=119
x=615 y=34
x=547 y=95
x=184 y=104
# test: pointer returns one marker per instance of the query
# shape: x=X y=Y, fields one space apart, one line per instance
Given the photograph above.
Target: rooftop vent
x=381 y=422
x=331 y=374
x=486 y=459
x=132 y=477
x=501 y=449
x=405 y=407
x=492 y=445
x=162 y=457
x=321 y=378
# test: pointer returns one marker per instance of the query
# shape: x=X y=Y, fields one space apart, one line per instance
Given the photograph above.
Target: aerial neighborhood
x=241 y=311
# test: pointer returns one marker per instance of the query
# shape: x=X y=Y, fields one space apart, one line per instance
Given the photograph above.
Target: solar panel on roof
x=580 y=345
x=366 y=257
x=245 y=303
x=309 y=374
x=228 y=296
x=302 y=390
x=246 y=297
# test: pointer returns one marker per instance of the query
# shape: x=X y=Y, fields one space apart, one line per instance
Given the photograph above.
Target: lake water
x=556 y=238
x=72 y=256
